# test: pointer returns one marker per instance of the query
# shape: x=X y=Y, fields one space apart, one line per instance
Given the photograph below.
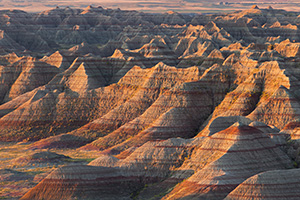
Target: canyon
x=102 y=103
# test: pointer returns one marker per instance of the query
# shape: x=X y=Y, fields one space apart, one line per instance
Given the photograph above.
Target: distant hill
x=186 y=6
x=171 y=105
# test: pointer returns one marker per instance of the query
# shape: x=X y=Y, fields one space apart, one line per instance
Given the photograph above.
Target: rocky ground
x=110 y=104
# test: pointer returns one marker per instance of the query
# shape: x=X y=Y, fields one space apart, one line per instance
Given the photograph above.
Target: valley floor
x=18 y=175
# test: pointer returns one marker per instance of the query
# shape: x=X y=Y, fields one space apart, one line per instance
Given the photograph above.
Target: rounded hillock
x=41 y=157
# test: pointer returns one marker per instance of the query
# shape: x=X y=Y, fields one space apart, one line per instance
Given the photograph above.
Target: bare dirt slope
x=172 y=106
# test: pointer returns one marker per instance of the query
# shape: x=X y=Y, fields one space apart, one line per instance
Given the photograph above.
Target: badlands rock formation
x=277 y=184
x=179 y=106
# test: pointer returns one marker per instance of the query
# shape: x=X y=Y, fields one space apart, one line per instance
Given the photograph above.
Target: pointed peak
x=234 y=47
x=222 y=123
x=83 y=44
x=270 y=8
x=254 y=7
x=210 y=24
x=285 y=41
x=54 y=55
x=13 y=54
x=85 y=77
x=239 y=124
x=275 y=109
x=211 y=27
x=80 y=70
x=195 y=27
x=272 y=65
x=55 y=59
x=158 y=41
x=91 y=8
x=75 y=64
x=276 y=24
x=82 y=65
x=28 y=59
x=118 y=53
x=232 y=58
x=104 y=161
x=239 y=129
x=216 y=54
x=171 y=12
x=76 y=60
x=160 y=65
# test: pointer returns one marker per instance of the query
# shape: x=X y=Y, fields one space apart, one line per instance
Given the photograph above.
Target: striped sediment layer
x=60 y=87
x=210 y=167
x=173 y=114
x=147 y=84
x=111 y=178
x=225 y=160
x=129 y=84
x=84 y=182
x=277 y=184
x=268 y=94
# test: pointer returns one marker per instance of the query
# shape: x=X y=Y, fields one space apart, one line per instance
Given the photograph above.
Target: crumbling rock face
x=41 y=157
x=210 y=167
x=179 y=106
x=221 y=166
x=277 y=184
x=84 y=182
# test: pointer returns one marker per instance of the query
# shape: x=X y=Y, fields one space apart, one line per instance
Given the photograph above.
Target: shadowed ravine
x=112 y=104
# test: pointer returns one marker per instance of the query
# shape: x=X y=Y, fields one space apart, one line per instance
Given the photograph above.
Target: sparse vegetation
x=153 y=100
x=15 y=188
